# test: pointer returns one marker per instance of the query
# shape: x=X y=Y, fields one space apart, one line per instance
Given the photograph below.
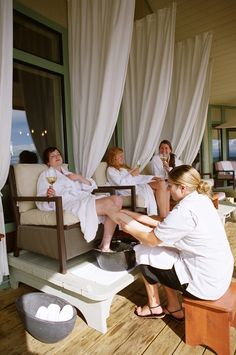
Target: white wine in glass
x=51 y=176
x=164 y=157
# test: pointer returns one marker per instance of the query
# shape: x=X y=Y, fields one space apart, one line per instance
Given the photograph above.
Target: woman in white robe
x=148 y=186
x=165 y=161
x=162 y=164
x=77 y=199
x=188 y=251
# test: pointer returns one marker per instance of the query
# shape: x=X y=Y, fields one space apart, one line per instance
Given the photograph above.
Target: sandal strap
x=158 y=305
x=177 y=310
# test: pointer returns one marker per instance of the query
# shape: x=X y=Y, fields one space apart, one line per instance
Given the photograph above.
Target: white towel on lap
x=159 y=257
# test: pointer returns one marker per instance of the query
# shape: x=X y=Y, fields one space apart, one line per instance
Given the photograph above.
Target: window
x=21 y=135
x=231 y=142
x=39 y=96
x=33 y=37
x=216 y=144
x=38 y=88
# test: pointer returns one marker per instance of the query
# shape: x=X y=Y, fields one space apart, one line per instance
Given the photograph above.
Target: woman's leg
x=169 y=277
x=142 y=218
x=153 y=306
x=108 y=206
x=173 y=304
x=162 y=196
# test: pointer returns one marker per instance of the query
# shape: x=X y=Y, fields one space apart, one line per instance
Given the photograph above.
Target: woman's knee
x=117 y=200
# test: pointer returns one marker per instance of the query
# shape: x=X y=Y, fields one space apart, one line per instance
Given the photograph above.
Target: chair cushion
x=148 y=169
x=26 y=176
x=37 y=217
x=100 y=174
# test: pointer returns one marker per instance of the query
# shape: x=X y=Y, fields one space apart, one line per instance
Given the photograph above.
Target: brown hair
x=190 y=177
x=46 y=153
x=172 y=155
x=111 y=158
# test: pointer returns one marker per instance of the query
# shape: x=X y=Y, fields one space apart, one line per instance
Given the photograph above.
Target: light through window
x=21 y=136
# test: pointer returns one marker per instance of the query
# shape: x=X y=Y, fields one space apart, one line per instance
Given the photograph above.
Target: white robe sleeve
x=119 y=177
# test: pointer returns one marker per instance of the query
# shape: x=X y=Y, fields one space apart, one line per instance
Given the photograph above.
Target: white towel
x=53 y=312
x=66 y=313
x=42 y=313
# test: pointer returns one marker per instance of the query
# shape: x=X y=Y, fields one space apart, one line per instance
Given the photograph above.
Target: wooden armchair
x=54 y=234
x=130 y=202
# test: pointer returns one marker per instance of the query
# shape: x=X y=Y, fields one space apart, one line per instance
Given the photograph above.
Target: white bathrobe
x=76 y=199
x=158 y=169
x=123 y=177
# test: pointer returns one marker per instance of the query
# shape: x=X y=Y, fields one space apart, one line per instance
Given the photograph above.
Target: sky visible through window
x=21 y=138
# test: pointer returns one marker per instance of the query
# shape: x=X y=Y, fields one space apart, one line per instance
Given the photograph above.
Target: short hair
x=28 y=157
x=190 y=177
x=46 y=153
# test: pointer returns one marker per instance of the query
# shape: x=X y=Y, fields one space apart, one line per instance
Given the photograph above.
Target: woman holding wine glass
x=162 y=164
x=77 y=198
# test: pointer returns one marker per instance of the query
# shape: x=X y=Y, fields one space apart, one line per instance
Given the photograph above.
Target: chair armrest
x=229 y=172
x=104 y=189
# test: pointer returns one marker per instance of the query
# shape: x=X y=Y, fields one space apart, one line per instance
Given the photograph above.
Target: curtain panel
x=148 y=84
x=6 y=55
x=100 y=33
x=186 y=113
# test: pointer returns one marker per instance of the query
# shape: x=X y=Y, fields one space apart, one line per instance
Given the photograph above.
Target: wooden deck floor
x=127 y=334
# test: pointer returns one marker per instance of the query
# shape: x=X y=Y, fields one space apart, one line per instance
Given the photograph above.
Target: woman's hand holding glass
x=164 y=158
x=51 y=176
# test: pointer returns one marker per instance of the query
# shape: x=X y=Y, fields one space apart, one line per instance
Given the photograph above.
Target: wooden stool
x=208 y=322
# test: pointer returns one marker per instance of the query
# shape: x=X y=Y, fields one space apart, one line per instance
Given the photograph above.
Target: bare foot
x=104 y=249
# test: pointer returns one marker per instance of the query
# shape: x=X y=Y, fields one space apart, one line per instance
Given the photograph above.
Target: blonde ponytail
x=204 y=188
x=190 y=177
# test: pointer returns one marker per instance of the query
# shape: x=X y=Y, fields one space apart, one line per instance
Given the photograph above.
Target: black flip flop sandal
x=151 y=315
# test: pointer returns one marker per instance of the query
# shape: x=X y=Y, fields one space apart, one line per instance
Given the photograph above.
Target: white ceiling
x=197 y=16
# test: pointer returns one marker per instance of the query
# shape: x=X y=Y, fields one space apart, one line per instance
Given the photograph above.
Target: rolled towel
x=42 y=313
x=53 y=312
x=66 y=313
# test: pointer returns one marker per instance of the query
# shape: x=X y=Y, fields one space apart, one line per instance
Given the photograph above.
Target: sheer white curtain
x=100 y=33
x=189 y=96
x=193 y=145
x=6 y=51
x=148 y=84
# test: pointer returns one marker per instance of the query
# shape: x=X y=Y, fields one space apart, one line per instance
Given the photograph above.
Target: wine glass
x=164 y=158
x=51 y=176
